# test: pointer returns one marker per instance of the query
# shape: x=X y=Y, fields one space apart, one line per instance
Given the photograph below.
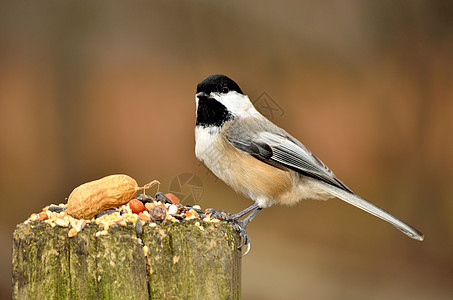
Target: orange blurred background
x=89 y=89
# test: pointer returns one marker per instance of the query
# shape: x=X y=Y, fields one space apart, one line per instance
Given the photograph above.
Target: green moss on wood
x=83 y=264
x=121 y=266
x=206 y=262
x=184 y=262
x=38 y=254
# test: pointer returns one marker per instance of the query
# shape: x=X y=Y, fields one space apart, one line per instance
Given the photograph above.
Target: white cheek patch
x=237 y=104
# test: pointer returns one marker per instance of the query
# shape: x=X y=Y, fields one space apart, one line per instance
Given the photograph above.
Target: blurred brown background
x=89 y=89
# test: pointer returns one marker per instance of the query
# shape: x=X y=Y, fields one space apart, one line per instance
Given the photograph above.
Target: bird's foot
x=221 y=215
x=239 y=225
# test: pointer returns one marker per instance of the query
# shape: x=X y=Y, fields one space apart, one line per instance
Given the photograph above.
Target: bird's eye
x=224 y=89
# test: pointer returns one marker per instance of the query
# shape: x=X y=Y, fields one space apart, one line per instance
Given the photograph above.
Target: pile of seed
x=141 y=211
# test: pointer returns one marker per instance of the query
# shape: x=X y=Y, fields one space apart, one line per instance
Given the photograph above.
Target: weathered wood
x=38 y=252
x=183 y=262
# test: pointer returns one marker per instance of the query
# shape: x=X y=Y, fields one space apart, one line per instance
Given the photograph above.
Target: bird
x=261 y=161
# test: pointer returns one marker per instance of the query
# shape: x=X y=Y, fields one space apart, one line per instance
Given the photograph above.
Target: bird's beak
x=202 y=95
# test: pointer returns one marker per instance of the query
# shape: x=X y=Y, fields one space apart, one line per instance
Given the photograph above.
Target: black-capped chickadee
x=262 y=161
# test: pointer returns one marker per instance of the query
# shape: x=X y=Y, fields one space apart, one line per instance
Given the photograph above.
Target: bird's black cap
x=219 y=84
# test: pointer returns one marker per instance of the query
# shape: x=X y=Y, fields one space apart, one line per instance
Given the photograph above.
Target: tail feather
x=374 y=210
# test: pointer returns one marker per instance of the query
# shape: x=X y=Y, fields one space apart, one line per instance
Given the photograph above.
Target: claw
x=221 y=214
x=248 y=249
x=239 y=225
x=214 y=213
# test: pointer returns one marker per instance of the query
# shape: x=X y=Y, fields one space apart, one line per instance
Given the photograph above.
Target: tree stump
x=184 y=261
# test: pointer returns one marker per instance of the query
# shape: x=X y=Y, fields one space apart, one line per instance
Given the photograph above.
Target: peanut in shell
x=93 y=197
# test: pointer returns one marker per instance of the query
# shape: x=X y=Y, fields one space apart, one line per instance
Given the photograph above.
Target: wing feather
x=282 y=150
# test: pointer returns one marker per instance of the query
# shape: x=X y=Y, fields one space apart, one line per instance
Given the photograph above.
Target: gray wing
x=283 y=151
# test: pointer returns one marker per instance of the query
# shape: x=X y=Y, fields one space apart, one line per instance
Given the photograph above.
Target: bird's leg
x=240 y=225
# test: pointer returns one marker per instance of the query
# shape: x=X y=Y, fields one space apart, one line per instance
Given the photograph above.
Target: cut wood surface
x=184 y=261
